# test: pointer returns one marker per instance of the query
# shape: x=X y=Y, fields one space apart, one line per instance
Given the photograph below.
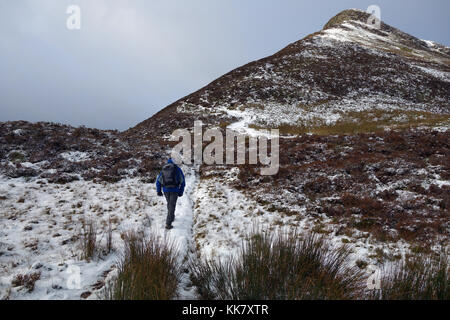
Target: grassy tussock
x=285 y=266
x=422 y=277
x=89 y=239
x=270 y=267
x=148 y=270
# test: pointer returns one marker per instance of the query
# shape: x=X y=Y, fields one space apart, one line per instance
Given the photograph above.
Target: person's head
x=170 y=160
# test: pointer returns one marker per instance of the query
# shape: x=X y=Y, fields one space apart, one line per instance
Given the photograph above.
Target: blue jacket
x=180 y=178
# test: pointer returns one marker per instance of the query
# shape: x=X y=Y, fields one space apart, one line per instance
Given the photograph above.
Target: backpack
x=169 y=176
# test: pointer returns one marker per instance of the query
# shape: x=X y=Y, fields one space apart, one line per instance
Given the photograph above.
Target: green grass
x=366 y=122
x=406 y=49
x=17 y=157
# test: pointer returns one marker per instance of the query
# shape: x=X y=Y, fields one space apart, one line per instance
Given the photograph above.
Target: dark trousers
x=171 y=198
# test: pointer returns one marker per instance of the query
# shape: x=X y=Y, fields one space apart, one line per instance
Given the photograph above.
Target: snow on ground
x=76 y=156
x=225 y=216
x=442 y=75
x=40 y=227
x=181 y=234
x=369 y=36
x=326 y=113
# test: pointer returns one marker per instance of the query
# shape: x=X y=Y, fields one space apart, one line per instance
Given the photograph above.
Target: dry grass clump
x=148 y=270
x=26 y=280
x=283 y=266
x=89 y=239
x=421 y=277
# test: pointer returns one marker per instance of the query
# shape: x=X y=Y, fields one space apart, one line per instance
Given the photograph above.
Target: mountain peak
x=347 y=78
x=347 y=15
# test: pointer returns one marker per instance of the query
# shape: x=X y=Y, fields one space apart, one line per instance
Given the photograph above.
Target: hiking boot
x=168 y=227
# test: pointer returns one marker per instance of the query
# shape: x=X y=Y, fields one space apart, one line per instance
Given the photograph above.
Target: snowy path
x=182 y=232
x=181 y=235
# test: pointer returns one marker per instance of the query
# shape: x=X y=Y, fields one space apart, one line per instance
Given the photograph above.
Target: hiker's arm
x=158 y=183
x=182 y=181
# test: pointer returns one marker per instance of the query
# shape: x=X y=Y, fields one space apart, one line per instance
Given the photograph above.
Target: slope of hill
x=345 y=73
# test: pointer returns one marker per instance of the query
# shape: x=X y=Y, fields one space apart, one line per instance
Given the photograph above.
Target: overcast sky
x=132 y=58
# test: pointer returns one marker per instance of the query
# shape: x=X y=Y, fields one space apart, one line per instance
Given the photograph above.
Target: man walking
x=171 y=179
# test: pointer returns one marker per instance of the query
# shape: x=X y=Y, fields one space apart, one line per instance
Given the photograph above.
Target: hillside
x=347 y=78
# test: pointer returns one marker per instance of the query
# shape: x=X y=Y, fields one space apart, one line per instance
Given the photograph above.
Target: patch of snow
x=75 y=156
x=442 y=75
x=40 y=224
x=19 y=132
